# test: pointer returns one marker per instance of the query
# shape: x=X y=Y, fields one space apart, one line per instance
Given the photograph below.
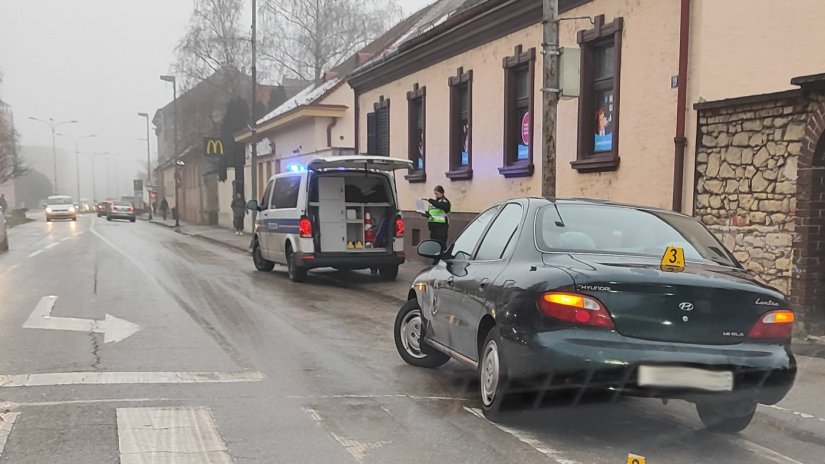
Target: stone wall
x=746 y=161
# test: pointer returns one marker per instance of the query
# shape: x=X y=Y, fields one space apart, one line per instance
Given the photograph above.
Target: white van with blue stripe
x=339 y=212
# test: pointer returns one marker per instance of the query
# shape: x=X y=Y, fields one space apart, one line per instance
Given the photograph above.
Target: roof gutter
x=680 y=141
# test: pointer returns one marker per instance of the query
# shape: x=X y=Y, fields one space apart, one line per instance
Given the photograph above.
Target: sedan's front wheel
x=408 y=329
x=492 y=372
x=726 y=417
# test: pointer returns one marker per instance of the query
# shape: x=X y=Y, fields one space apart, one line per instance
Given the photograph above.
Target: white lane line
x=52 y=245
x=65 y=238
x=36 y=404
x=121 y=378
x=526 y=438
x=764 y=452
x=7 y=420
x=170 y=435
x=803 y=415
x=35 y=253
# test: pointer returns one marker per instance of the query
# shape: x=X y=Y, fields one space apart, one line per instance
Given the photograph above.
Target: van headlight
x=71 y=209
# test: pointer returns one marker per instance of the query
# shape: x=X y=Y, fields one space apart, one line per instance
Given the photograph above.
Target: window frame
x=416 y=95
x=266 y=199
x=587 y=159
x=280 y=180
x=457 y=82
x=504 y=255
x=511 y=166
x=382 y=106
x=452 y=258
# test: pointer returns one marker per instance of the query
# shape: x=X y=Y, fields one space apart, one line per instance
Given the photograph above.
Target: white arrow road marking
x=170 y=435
x=7 y=420
x=113 y=329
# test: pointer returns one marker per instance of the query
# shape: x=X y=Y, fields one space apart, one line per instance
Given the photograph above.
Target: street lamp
x=172 y=79
x=53 y=127
x=77 y=155
x=148 y=162
x=106 y=155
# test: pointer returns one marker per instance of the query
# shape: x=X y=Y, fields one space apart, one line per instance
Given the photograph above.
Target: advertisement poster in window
x=419 y=160
x=524 y=146
x=465 y=143
x=604 y=122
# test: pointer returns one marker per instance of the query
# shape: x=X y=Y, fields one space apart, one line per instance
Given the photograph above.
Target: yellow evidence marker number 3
x=634 y=459
x=674 y=259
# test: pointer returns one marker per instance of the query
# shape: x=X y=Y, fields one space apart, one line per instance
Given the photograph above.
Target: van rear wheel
x=389 y=272
x=296 y=272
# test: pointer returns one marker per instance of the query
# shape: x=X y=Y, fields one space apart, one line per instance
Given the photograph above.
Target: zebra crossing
x=155 y=435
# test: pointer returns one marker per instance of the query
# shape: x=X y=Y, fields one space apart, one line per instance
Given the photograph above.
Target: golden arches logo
x=214 y=147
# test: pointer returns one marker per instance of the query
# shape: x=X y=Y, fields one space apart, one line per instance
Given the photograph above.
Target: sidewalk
x=213 y=234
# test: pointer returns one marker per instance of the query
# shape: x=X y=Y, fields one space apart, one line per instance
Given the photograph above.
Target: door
x=332 y=213
x=479 y=286
x=265 y=222
x=285 y=213
x=446 y=311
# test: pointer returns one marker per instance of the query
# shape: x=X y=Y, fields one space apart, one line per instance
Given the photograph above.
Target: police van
x=339 y=212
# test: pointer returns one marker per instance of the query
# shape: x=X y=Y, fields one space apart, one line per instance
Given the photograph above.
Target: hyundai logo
x=686 y=306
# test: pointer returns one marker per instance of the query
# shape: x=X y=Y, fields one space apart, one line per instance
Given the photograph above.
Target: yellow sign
x=214 y=147
x=674 y=259
x=634 y=459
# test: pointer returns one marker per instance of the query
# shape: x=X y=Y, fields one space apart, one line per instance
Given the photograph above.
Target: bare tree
x=10 y=165
x=306 y=38
x=214 y=40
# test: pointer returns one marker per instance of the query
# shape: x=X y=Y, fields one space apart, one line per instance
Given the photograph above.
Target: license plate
x=685 y=377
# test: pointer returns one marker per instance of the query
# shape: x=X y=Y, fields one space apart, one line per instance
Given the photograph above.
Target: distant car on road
x=60 y=207
x=4 y=236
x=576 y=294
x=121 y=210
x=103 y=208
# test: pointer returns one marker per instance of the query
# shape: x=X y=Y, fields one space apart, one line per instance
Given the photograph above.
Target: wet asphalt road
x=289 y=373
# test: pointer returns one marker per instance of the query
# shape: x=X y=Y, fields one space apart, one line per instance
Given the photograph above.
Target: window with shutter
x=383 y=131
x=371 y=134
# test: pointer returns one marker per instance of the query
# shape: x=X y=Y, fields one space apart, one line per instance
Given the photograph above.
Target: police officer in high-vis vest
x=437 y=222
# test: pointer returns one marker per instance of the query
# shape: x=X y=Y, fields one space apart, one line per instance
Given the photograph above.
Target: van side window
x=267 y=195
x=285 y=194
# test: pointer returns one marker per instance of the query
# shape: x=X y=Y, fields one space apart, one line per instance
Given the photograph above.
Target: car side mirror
x=253 y=205
x=430 y=249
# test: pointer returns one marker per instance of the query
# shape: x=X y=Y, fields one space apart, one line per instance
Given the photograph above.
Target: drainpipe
x=679 y=140
x=330 y=126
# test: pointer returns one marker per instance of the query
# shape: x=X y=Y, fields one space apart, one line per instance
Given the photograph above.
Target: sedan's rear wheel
x=409 y=325
x=492 y=372
x=4 y=245
x=726 y=417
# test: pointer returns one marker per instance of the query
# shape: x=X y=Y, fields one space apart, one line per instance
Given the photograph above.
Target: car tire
x=109 y=218
x=74 y=219
x=389 y=272
x=408 y=329
x=296 y=273
x=48 y=219
x=132 y=220
x=493 y=377
x=261 y=264
x=4 y=245
x=728 y=417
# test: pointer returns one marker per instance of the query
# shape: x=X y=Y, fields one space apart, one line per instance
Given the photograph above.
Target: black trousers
x=439 y=234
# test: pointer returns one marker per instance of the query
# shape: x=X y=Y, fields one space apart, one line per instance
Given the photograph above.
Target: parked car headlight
x=48 y=210
x=71 y=209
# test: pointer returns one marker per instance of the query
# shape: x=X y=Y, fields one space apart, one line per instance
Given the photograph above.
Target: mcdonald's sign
x=213 y=147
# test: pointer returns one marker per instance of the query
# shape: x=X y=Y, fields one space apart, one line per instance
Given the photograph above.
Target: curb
x=808 y=348
x=161 y=224
x=219 y=242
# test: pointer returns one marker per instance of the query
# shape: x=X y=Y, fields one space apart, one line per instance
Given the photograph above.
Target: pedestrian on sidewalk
x=3 y=204
x=238 y=212
x=164 y=208
x=436 y=214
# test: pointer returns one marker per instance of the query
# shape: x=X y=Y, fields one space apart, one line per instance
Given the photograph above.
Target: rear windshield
x=121 y=203
x=621 y=230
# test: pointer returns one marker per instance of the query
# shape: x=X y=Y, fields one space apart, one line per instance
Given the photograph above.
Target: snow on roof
x=307 y=96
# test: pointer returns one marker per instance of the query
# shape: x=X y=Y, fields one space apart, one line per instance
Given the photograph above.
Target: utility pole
x=550 y=96
x=53 y=128
x=254 y=148
x=178 y=163
x=148 y=163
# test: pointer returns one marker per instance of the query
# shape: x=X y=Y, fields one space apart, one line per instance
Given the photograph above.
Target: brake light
x=399 y=227
x=305 y=228
x=774 y=325
x=576 y=309
x=131 y=208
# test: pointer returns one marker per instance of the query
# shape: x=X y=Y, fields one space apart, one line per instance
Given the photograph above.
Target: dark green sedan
x=545 y=295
